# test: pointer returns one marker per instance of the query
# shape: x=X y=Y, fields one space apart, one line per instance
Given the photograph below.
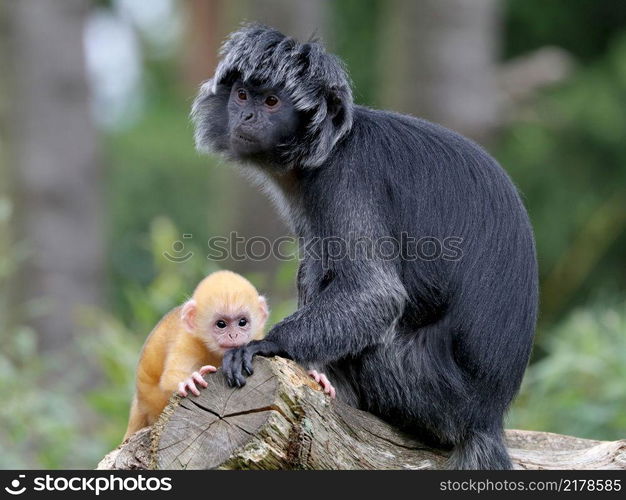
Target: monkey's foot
x=322 y=380
x=196 y=377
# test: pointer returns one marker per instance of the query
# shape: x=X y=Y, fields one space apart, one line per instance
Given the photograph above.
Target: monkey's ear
x=329 y=123
x=188 y=315
x=335 y=107
x=263 y=308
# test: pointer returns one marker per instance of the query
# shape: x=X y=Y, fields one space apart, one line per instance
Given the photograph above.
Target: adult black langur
x=434 y=342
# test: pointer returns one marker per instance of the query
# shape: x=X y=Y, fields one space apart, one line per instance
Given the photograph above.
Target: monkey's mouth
x=246 y=139
x=230 y=344
x=245 y=145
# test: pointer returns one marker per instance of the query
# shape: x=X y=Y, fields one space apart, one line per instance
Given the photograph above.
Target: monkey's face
x=225 y=312
x=260 y=121
x=231 y=330
x=232 y=326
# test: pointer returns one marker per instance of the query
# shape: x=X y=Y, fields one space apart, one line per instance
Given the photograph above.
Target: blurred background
x=99 y=179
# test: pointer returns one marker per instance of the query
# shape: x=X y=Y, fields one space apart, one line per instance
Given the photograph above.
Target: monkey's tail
x=480 y=451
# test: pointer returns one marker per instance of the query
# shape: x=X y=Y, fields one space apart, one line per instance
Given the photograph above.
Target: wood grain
x=281 y=420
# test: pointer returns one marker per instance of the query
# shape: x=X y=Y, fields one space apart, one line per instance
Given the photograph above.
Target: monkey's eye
x=271 y=101
x=243 y=322
x=242 y=94
x=221 y=323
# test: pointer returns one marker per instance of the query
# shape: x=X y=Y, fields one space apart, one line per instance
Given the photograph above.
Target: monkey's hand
x=322 y=380
x=237 y=363
x=196 y=377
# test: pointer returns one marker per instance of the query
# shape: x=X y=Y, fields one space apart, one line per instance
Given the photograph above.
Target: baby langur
x=224 y=312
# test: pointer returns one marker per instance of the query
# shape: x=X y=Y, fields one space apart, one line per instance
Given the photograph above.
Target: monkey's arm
x=354 y=311
x=184 y=357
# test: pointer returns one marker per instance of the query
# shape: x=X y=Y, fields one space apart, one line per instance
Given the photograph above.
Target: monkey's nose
x=248 y=116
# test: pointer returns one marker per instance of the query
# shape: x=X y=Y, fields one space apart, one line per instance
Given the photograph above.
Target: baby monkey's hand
x=196 y=377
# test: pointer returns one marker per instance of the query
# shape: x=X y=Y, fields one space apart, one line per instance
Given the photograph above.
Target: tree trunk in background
x=439 y=62
x=55 y=164
x=298 y=18
x=5 y=201
x=203 y=37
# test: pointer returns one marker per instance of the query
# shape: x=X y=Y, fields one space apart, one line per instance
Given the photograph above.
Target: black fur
x=436 y=347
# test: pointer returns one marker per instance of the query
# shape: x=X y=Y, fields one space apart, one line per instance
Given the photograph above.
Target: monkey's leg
x=437 y=402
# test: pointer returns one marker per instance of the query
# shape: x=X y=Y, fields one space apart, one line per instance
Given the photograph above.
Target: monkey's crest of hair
x=316 y=81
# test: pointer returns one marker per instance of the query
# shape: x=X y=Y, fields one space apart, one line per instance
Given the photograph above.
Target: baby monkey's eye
x=221 y=323
x=243 y=322
x=271 y=101
x=242 y=94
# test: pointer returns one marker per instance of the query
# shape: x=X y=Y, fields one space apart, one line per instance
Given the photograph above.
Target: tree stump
x=281 y=420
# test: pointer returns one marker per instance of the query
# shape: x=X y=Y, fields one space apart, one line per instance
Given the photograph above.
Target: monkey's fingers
x=248 y=354
x=197 y=377
x=231 y=365
x=328 y=387
x=207 y=369
x=323 y=381
x=190 y=384
x=182 y=390
x=227 y=363
x=314 y=375
x=240 y=378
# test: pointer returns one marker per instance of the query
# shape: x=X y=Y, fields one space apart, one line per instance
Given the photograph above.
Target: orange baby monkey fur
x=225 y=311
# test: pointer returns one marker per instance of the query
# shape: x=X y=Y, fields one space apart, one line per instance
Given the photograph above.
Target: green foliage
x=172 y=282
x=357 y=39
x=116 y=345
x=578 y=387
x=40 y=415
x=25 y=417
x=114 y=349
x=154 y=170
x=568 y=157
x=582 y=27
x=60 y=415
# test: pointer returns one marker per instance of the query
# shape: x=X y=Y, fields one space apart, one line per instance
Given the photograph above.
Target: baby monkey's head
x=225 y=311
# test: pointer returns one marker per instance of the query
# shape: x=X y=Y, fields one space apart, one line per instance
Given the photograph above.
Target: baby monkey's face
x=260 y=120
x=232 y=329
x=224 y=321
x=225 y=325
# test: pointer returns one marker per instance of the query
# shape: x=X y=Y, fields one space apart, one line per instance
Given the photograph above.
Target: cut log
x=281 y=420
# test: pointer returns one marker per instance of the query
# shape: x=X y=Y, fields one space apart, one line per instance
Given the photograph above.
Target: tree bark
x=280 y=420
